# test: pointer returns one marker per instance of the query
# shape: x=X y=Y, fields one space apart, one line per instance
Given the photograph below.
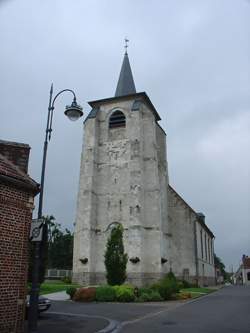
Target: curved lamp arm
x=51 y=108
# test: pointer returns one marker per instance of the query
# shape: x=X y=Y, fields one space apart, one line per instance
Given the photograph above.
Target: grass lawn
x=197 y=292
x=53 y=287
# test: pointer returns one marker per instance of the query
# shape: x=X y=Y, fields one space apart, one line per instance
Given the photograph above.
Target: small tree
x=115 y=258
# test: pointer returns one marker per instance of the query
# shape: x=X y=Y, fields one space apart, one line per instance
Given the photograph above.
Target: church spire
x=125 y=85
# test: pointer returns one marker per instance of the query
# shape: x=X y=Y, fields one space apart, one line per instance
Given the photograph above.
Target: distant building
x=242 y=275
x=17 y=192
x=124 y=180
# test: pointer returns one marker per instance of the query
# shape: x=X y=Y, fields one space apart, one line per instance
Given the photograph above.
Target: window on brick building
x=248 y=276
x=117 y=119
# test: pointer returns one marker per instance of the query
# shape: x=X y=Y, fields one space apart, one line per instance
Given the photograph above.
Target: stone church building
x=124 y=180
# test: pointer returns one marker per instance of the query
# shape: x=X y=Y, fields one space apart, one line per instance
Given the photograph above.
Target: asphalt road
x=225 y=311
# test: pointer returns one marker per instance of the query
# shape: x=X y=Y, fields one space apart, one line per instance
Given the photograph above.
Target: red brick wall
x=15 y=219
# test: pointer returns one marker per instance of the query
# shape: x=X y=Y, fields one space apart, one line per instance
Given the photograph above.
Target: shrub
x=66 y=280
x=167 y=286
x=143 y=298
x=144 y=291
x=186 y=284
x=71 y=291
x=180 y=284
x=115 y=258
x=155 y=296
x=105 y=294
x=85 y=294
x=124 y=293
x=150 y=296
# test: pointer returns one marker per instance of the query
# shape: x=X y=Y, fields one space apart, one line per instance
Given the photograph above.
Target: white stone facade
x=191 y=259
x=124 y=179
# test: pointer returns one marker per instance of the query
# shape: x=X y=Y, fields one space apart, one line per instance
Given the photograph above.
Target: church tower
x=123 y=180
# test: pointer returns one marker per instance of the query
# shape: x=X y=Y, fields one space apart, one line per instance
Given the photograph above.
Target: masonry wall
x=205 y=253
x=182 y=238
x=122 y=180
x=15 y=218
x=245 y=276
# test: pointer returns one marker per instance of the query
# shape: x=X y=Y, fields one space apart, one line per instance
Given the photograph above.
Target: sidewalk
x=58 y=296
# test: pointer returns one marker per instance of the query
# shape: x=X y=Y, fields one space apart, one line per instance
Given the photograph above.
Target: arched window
x=117 y=119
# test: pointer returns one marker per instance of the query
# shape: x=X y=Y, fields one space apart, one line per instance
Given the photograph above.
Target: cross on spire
x=126 y=44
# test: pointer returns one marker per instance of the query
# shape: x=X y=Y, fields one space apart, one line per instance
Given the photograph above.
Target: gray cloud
x=191 y=57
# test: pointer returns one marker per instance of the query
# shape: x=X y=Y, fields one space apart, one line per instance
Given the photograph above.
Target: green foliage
x=105 y=294
x=60 y=246
x=167 y=287
x=85 y=294
x=219 y=264
x=124 y=293
x=180 y=284
x=71 y=291
x=185 y=284
x=115 y=258
x=66 y=280
x=144 y=291
x=56 y=249
x=148 y=295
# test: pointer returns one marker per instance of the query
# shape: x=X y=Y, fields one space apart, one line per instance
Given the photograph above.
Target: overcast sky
x=191 y=57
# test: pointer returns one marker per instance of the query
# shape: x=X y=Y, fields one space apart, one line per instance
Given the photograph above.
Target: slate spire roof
x=125 y=85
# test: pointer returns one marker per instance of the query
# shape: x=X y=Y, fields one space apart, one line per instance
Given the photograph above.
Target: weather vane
x=126 y=44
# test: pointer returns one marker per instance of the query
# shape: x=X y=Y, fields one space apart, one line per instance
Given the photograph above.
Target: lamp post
x=73 y=112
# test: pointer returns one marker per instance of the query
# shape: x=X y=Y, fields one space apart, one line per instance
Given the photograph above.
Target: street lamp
x=73 y=112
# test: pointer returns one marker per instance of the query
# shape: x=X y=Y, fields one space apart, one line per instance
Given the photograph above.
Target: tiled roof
x=10 y=170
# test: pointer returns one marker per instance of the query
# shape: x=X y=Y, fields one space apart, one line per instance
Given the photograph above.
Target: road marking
x=109 y=328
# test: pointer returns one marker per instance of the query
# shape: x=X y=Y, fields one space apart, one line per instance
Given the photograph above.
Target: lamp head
x=73 y=111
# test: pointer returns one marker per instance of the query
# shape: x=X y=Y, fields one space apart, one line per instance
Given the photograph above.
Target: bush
x=85 y=294
x=124 y=293
x=186 y=284
x=71 y=291
x=183 y=284
x=143 y=298
x=180 y=285
x=66 y=280
x=144 y=291
x=167 y=287
x=150 y=296
x=105 y=294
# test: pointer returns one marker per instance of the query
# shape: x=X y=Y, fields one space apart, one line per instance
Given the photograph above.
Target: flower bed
x=165 y=289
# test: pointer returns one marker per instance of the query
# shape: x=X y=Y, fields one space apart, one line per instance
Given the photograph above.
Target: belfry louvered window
x=117 y=119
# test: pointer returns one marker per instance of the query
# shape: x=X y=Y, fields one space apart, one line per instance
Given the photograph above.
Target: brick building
x=17 y=192
x=242 y=275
